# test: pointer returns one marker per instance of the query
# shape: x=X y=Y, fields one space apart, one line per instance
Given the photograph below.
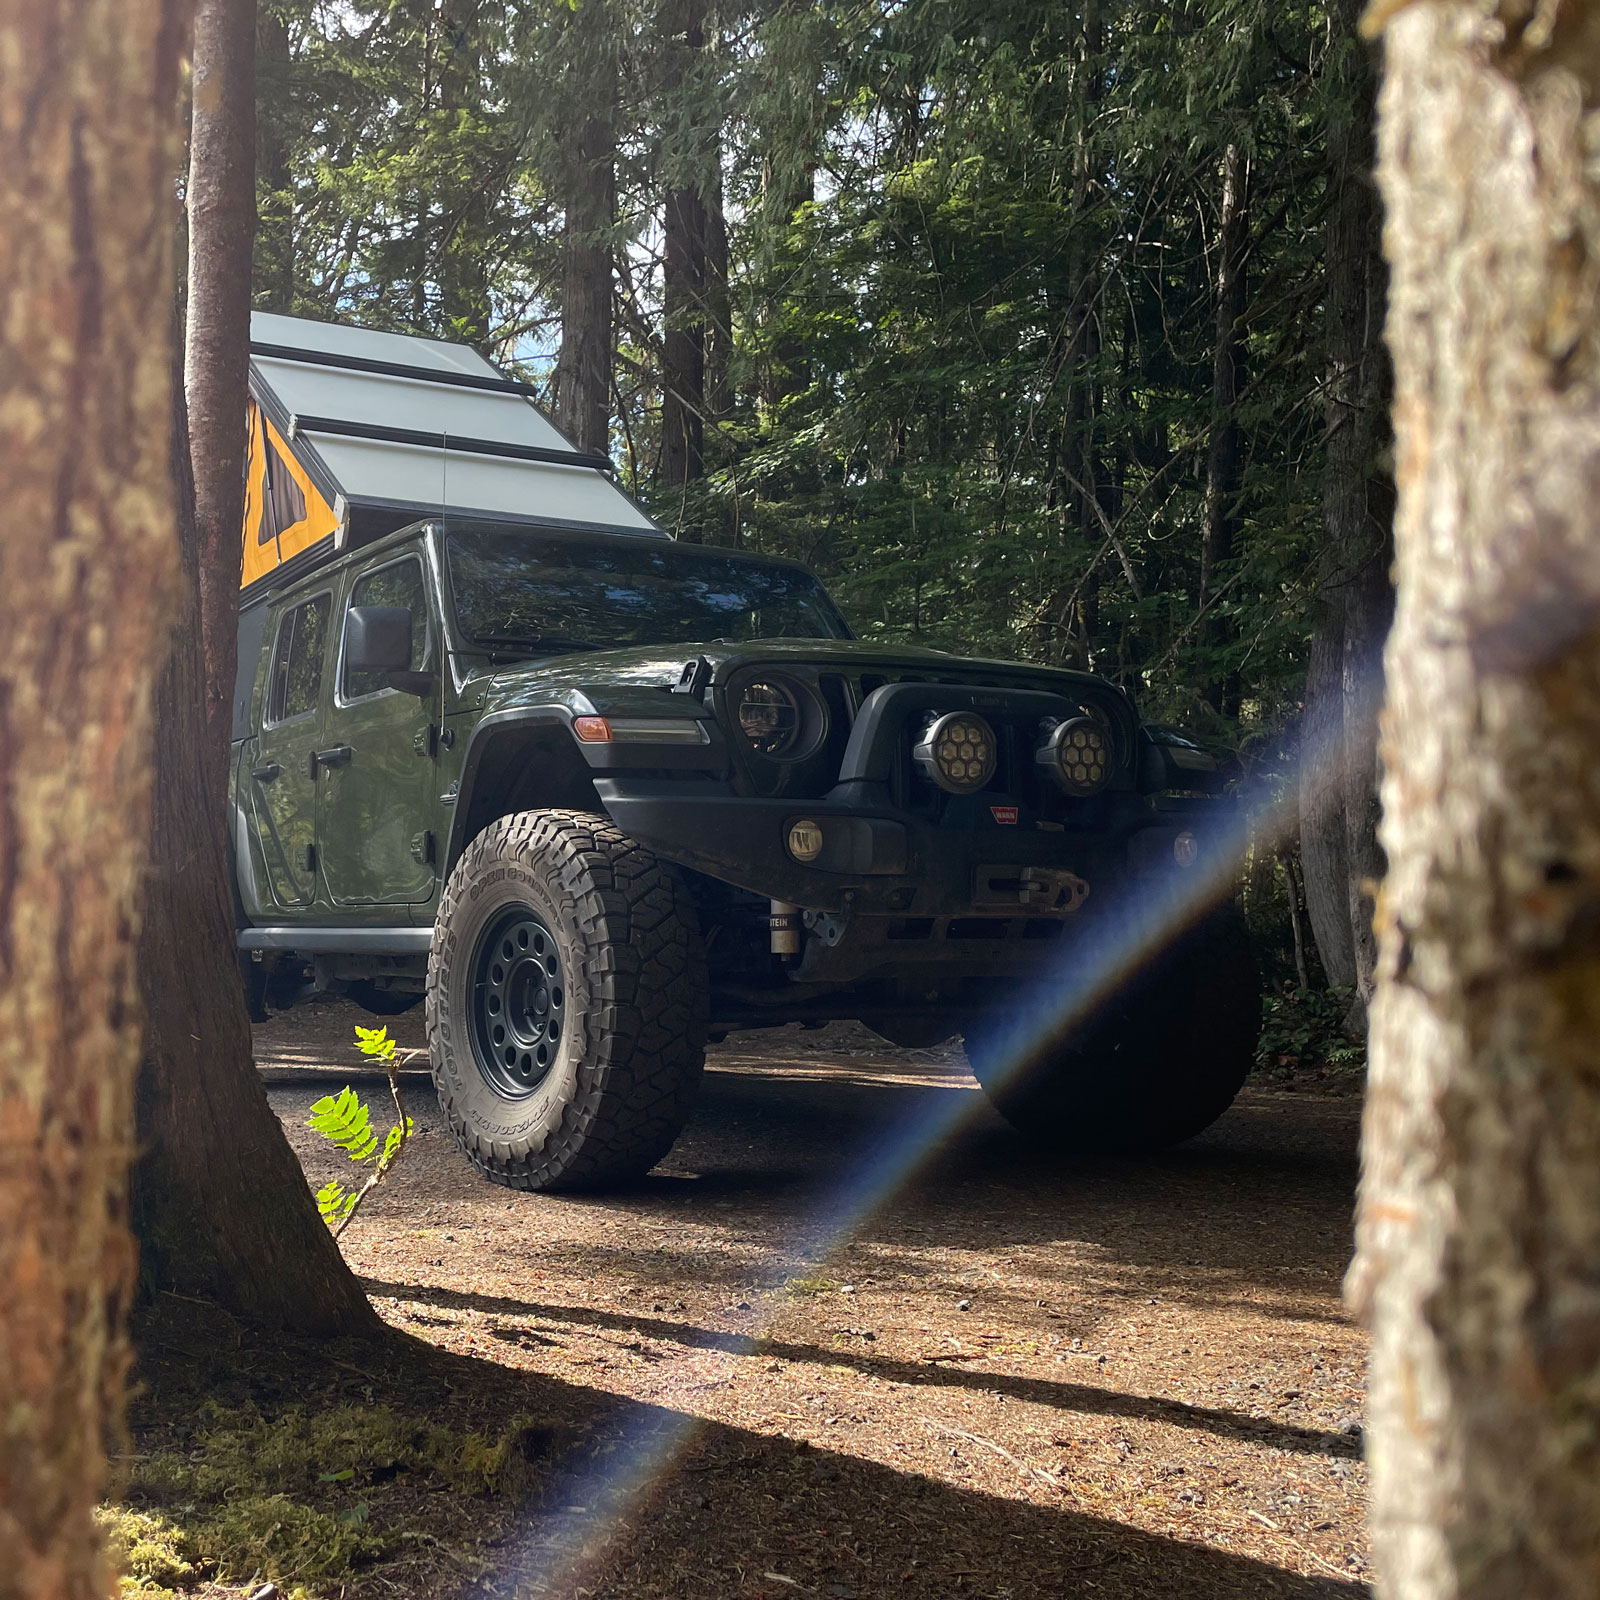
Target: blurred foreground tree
x=89 y=143
x=1479 y=1226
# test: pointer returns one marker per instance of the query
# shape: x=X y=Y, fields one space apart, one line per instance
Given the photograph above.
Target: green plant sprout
x=343 y=1119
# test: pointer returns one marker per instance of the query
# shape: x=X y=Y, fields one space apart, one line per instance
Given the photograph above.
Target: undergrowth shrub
x=1303 y=1031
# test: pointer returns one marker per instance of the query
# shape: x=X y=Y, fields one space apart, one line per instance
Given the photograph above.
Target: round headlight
x=769 y=717
x=957 y=752
x=1077 y=756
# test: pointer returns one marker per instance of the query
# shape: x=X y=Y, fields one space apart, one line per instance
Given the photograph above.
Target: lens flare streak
x=588 y=1512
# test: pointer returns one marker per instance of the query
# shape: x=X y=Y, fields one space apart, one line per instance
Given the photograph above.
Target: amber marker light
x=638 y=730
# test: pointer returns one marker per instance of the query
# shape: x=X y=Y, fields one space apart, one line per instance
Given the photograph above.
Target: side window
x=397 y=585
x=297 y=660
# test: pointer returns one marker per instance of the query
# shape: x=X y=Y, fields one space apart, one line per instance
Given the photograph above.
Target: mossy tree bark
x=1479 y=1225
x=89 y=143
x=221 y=1207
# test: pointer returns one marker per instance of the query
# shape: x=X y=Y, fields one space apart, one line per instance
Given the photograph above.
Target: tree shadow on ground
x=629 y=1501
x=1041 y=1391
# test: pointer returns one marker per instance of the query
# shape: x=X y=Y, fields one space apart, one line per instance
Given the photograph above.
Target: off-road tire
x=1158 y=1064
x=628 y=1060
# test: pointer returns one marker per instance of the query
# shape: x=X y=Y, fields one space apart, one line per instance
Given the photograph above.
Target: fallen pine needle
x=1025 y=1467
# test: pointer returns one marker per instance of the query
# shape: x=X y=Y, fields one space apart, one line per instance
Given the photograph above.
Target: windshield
x=559 y=592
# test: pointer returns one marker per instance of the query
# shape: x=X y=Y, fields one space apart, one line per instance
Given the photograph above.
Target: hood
x=616 y=682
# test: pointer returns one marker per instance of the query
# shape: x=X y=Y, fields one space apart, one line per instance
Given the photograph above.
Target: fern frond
x=335 y=1202
x=343 y=1120
x=375 y=1042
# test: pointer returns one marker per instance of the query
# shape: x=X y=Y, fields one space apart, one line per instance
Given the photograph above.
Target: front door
x=375 y=794
x=282 y=783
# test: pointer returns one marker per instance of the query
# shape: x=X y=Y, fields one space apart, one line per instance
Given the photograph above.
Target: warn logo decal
x=1006 y=816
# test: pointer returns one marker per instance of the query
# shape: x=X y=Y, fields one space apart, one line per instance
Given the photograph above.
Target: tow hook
x=1052 y=889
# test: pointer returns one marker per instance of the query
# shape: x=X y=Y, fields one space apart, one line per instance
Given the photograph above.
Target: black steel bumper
x=992 y=859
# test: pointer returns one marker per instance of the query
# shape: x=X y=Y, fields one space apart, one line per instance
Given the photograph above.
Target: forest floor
x=979 y=1372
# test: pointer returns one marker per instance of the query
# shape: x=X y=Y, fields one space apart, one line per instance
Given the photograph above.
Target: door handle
x=337 y=756
x=268 y=772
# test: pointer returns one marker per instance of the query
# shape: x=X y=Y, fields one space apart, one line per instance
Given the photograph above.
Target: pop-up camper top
x=354 y=433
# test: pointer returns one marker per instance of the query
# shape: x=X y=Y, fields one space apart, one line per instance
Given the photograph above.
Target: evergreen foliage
x=961 y=357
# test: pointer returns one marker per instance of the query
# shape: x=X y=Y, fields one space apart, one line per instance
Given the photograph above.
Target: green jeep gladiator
x=598 y=797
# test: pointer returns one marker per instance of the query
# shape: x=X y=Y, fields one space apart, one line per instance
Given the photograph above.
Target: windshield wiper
x=540 y=642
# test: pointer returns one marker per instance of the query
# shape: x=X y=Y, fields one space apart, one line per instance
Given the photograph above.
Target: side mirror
x=378 y=639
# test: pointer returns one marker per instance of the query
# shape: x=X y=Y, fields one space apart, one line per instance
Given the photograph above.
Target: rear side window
x=297 y=660
x=397 y=585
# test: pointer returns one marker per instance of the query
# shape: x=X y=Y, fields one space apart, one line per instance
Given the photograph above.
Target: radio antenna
x=444 y=477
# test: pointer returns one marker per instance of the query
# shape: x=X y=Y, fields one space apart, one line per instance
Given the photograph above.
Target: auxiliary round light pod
x=1077 y=756
x=957 y=752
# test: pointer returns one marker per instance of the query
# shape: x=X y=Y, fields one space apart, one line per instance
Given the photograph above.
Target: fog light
x=1077 y=756
x=805 y=840
x=1186 y=849
x=957 y=752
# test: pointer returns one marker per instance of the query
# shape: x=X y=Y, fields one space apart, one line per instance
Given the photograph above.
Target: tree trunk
x=87 y=555
x=719 y=307
x=1225 y=453
x=1344 y=681
x=222 y=226
x=462 y=236
x=583 y=368
x=1324 y=849
x=683 y=273
x=274 y=252
x=221 y=1207
x=1479 y=1223
x=683 y=379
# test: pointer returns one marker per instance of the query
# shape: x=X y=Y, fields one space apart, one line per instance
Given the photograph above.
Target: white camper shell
x=354 y=433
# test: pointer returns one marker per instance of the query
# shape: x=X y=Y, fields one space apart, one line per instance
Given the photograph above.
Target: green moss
x=287 y=1539
x=156 y=1556
x=289 y=1498
x=816 y=1284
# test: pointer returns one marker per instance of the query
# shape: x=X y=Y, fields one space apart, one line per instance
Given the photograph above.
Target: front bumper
x=991 y=858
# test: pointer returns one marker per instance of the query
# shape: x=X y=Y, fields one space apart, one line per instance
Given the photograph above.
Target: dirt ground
x=810 y=1356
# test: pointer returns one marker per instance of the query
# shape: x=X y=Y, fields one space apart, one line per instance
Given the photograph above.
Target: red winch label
x=1006 y=816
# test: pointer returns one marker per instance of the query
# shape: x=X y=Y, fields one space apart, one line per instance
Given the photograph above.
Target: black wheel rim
x=519 y=999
